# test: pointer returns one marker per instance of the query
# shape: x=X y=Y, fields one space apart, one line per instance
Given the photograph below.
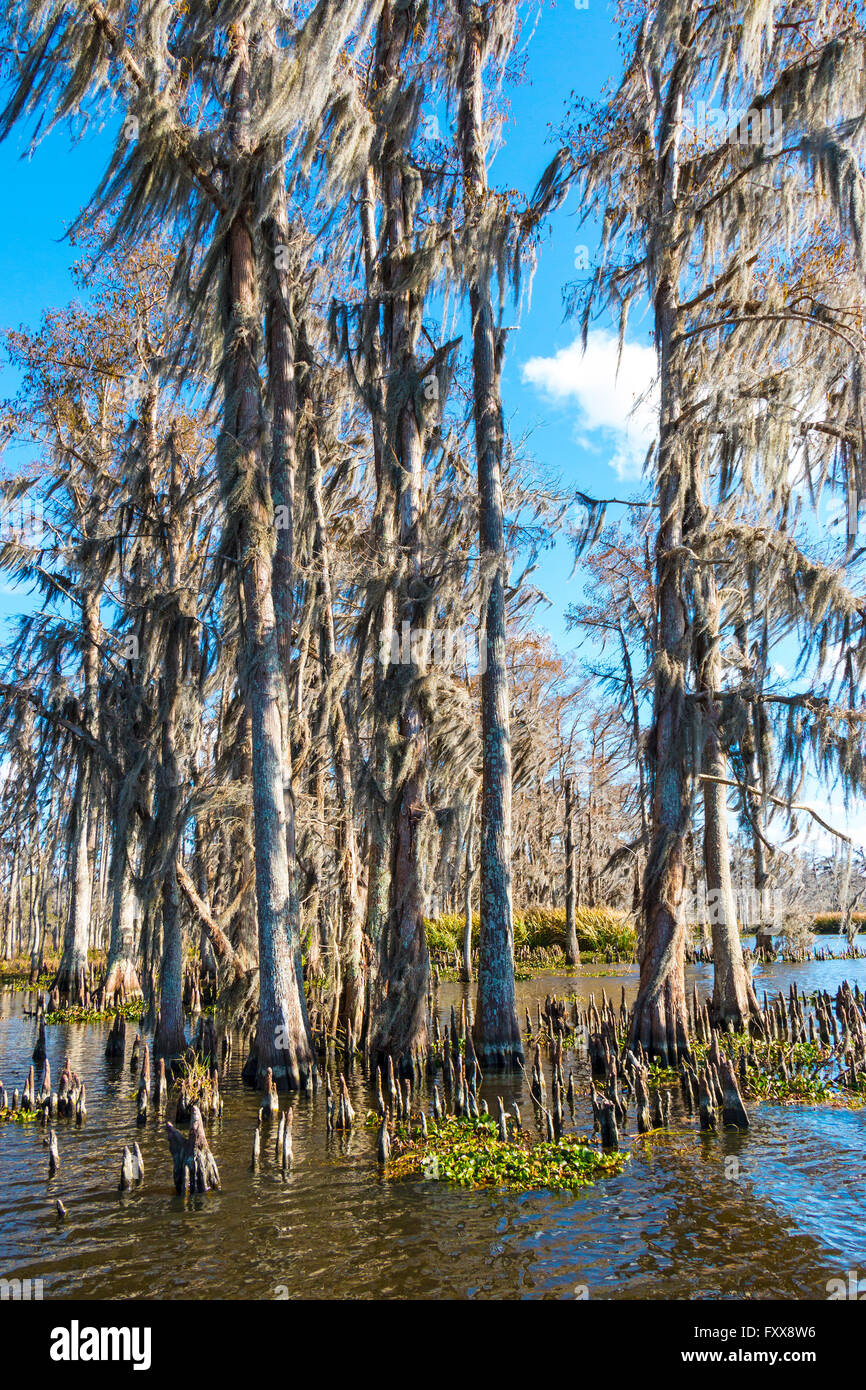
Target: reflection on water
x=681 y=1221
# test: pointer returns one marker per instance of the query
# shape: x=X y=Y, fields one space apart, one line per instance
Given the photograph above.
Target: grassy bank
x=601 y=931
x=827 y=923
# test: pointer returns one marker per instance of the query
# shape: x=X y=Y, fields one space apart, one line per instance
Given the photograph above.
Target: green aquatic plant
x=86 y=1013
x=786 y=1073
x=470 y=1153
x=193 y=1077
x=19 y=1117
x=19 y=981
x=662 y=1076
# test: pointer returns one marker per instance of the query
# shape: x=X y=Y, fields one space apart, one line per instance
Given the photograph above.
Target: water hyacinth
x=470 y=1152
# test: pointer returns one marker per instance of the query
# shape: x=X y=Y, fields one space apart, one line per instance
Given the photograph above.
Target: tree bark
x=283 y=1040
x=734 y=998
x=283 y=396
x=572 y=949
x=350 y=1009
x=77 y=934
x=659 y=1019
x=398 y=1019
x=169 y=1038
x=467 y=903
x=122 y=975
x=497 y=1030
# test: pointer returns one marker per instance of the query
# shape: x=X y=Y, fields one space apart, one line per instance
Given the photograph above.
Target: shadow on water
x=777 y=1211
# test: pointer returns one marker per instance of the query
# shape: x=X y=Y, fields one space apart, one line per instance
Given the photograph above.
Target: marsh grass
x=192 y=1076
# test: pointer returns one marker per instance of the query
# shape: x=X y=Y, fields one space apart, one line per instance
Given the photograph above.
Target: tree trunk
x=169 y=1039
x=641 y=770
x=733 y=997
x=751 y=802
x=351 y=940
x=659 y=1020
x=572 y=949
x=122 y=975
x=283 y=1040
x=497 y=1031
x=281 y=384
x=77 y=935
x=467 y=904
x=398 y=1021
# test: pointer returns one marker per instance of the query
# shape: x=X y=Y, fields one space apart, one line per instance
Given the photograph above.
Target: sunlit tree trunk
x=283 y=399
x=398 y=891
x=122 y=975
x=467 y=902
x=350 y=1009
x=77 y=934
x=283 y=1039
x=380 y=815
x=659 y=1020
x=497 y=1031
x=733 y=996
x=572 y=949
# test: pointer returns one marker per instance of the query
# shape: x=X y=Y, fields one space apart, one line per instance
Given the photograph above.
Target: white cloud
x=620 y=407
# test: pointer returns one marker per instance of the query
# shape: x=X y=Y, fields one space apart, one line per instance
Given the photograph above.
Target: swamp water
x=680 y=1222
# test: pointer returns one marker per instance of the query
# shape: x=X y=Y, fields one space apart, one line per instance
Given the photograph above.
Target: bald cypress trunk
x=734 y=998
x=497 y=1031
x=76 y=937
x=283 y=1040
x=122 y=975
x=572 y=949
x=380 y=813
x=401 y=821
x=283 y=399
x=752 y=803
x=169 y=1037
x=467 y=903
x=350 y=1007
x=659 y=1020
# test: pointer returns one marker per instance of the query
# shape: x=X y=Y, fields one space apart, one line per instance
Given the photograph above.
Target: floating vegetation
x=19 y=980
x=86 y=1013
x=470 y=1153
x=786 y=1073
x=19 y=1117
x=662 y=1076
